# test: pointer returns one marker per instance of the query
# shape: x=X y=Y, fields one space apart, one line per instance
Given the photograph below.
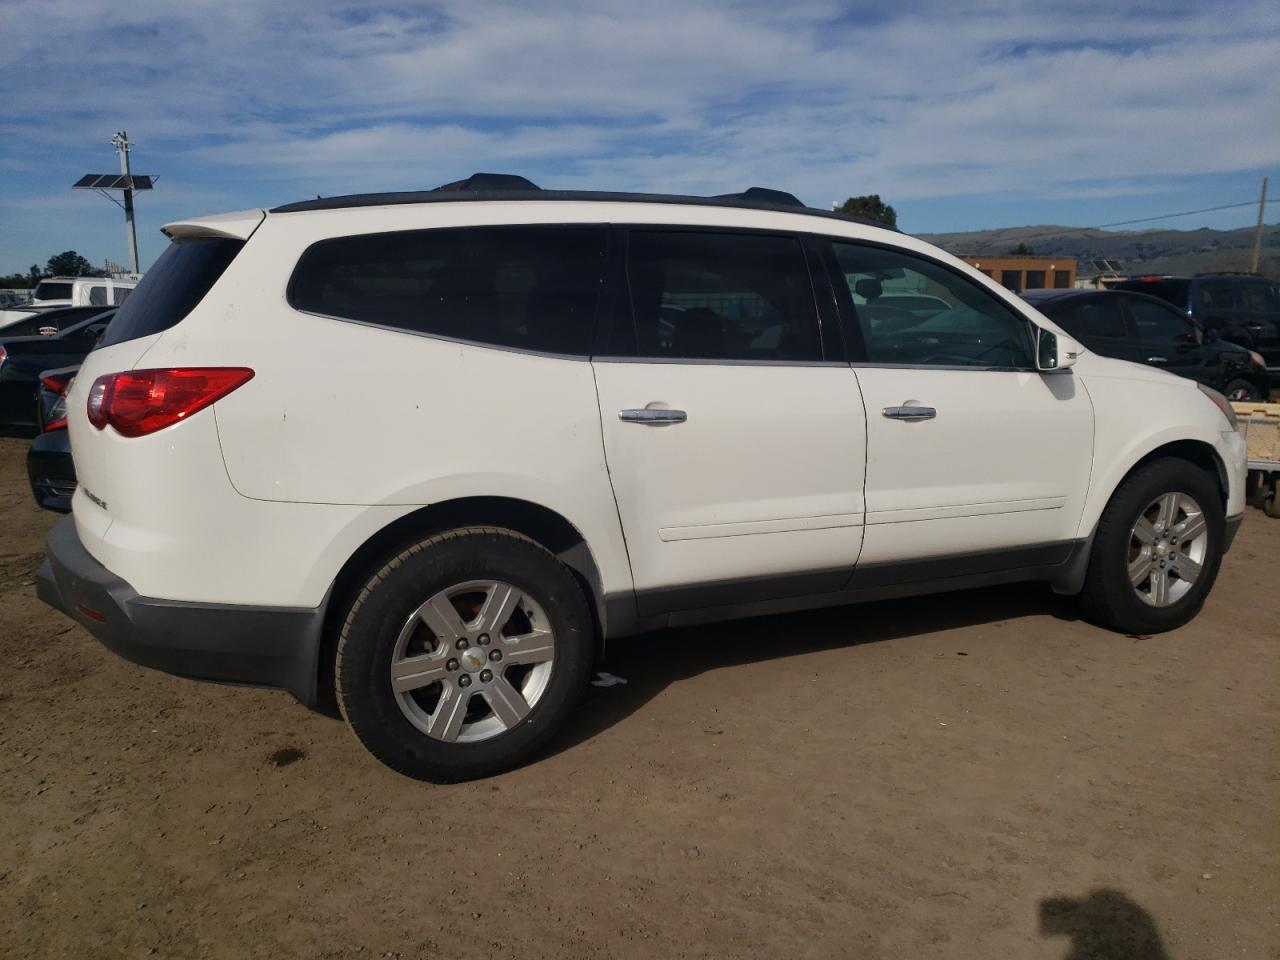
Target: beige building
x=1027 y=273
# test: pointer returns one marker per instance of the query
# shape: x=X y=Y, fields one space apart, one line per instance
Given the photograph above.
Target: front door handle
x=652 y=416
x=910 y=412
x=1157 y=359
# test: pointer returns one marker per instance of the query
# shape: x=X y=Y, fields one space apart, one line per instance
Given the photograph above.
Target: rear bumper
x=259 y=646
x=51 y=471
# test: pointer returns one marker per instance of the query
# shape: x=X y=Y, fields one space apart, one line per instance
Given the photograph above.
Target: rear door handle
x=912 y=412
x=652 y=416
x=1157 y=359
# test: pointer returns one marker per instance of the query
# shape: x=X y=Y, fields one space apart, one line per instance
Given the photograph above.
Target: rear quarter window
x=172 y=287
x=522 y=287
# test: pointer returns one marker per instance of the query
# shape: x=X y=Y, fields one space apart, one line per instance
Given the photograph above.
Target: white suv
x=424 y=452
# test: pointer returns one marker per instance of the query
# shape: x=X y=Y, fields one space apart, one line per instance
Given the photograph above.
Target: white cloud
x=917 y=100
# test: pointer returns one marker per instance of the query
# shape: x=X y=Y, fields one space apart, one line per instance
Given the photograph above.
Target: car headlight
x=1221 y=402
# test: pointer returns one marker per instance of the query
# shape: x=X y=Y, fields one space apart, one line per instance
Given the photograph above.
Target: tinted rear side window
x=172 y=287
x=720 y=296
x=526 y=287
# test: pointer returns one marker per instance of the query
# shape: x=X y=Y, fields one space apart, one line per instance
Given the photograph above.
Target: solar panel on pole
x=124 y=181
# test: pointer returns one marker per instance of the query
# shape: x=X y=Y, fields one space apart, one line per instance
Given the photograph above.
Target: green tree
x=68 y=264
x=870 y=207
x=1022 y=250
x=34 y=275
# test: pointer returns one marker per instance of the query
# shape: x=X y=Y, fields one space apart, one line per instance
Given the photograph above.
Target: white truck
x=82 y=291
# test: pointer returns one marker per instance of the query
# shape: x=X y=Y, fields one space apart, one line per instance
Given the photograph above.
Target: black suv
x=1133 y=326
x=1241 y=307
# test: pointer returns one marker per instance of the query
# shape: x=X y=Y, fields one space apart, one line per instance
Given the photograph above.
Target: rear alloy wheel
x=1242 y=391
x=472 y=661
x=463 y=654
x=1157 y=549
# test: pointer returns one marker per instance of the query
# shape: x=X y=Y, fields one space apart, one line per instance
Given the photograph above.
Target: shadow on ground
x=650 y=662
x=1105 y=925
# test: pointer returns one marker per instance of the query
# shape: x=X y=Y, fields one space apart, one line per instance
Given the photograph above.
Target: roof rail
x=763 y=195
x=1229 y=273
x=490 y=181
x=508 y=187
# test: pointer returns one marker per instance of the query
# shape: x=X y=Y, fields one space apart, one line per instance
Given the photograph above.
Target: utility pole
x=125 y=182
x=1257 y=233
x=121 y=141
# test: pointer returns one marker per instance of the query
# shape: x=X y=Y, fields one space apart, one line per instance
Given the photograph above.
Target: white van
x=82 y=291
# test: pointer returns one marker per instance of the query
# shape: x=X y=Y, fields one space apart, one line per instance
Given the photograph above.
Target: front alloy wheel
x=1157 y=548
x=1167 y=547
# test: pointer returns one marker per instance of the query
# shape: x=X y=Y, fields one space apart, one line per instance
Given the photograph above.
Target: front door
x=972 y=454
x=735 y=447
x=1167 y=339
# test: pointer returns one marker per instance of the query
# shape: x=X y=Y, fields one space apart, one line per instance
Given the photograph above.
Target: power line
x=1124 y=223
x=1170 y=216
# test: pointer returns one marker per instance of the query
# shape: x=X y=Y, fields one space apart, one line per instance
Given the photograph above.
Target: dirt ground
x=969 y=775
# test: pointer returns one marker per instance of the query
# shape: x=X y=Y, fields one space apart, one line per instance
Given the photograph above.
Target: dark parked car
x=1241 y=307
x=49 y=466
x=45 y=321
x=23 y=359
x=1133 y=326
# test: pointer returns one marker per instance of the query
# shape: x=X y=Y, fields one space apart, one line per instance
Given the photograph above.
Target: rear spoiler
x=235 y=226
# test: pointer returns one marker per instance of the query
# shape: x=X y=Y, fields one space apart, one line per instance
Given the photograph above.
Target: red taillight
x=138 y=402
x=3 y=353
x=57 y=382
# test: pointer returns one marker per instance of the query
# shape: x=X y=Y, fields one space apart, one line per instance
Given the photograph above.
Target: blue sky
x=962 y=116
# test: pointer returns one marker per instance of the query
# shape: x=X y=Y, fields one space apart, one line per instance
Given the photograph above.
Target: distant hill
x=1135 y=251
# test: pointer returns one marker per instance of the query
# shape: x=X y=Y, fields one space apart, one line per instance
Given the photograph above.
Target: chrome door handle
x=910 y=413
x=1157 y=359
x=648 y=415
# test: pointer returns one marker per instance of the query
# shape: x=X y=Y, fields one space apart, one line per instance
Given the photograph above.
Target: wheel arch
x=541 y=524
x=1197 y=452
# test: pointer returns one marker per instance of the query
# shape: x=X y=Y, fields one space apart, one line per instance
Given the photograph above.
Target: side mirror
x=1054 y=352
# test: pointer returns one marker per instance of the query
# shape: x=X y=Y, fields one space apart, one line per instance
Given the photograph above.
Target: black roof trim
x=491 y=181
x=753 y=199
x=764 y=195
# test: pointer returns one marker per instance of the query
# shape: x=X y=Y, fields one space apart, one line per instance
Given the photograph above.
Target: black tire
x=373 y=624
x=1271 y=502
x=1108 y=598
x=1242 y=391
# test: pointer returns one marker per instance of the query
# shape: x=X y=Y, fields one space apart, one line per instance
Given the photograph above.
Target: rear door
x=972 y=454
x=735 y=439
